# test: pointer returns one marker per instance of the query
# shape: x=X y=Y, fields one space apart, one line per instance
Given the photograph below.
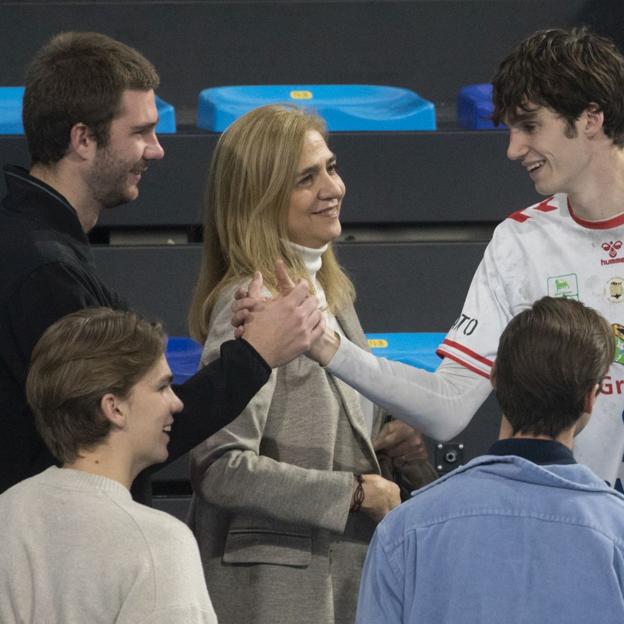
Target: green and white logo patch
x=564 y=286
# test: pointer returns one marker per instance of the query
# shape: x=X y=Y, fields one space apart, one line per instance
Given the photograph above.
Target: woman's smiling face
x=314 y=209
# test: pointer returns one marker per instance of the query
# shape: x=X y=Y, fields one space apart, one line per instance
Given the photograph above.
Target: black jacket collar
x=36 y=200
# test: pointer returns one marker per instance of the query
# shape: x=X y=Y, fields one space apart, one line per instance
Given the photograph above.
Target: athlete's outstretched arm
x=440 y=404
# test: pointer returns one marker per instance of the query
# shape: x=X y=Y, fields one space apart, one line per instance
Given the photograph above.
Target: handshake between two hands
x=283 y=327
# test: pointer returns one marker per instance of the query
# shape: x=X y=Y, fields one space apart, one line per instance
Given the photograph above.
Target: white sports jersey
x=547 y=250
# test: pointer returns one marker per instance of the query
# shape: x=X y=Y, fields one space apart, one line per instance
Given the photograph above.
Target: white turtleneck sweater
x=77 y=549
x=313 y=261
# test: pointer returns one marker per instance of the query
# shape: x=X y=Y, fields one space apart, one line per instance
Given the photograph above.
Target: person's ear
x=82 y=143
x=593 y=119
x=590 y=399
x=114 y=409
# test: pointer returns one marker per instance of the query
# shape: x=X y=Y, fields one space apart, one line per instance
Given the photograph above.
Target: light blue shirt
x=500 y=540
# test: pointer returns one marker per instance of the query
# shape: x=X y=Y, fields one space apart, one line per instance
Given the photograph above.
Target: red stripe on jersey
x=467 y=351
x=474 y=369
x=597 y=225
x=545 y=206
x=518 y=216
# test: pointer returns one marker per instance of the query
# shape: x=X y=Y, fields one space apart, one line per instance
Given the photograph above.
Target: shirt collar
x=542 y=452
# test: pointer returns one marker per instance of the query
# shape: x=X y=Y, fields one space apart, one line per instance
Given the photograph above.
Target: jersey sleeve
x=473 y=338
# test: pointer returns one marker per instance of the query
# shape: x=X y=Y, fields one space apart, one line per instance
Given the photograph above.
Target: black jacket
x=47 y=271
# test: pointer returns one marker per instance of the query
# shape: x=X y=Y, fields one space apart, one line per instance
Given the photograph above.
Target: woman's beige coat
x=273 y=491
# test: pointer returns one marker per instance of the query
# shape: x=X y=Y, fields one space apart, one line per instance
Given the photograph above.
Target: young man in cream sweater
x=76 y=548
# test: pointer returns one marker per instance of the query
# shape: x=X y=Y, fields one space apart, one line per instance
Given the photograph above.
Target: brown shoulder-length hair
x=78 y=360
x=78 y=77
x=251 y=178
x=565 y=70
x=549 y=357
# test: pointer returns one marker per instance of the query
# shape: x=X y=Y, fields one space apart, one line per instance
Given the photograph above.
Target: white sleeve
x=440 y=404
x=472 y=341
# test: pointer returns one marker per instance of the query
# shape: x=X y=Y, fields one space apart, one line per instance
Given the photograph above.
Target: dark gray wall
x=431 y=46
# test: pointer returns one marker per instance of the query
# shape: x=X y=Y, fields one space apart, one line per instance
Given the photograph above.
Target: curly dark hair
x=566 y=71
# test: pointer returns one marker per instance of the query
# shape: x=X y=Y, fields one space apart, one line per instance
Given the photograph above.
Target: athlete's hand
x=279 y=329
x=401 y=442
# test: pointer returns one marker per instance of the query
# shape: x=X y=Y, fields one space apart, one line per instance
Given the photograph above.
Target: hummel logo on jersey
x=612 y=248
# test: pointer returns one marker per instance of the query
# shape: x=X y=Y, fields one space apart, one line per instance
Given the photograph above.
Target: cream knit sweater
x=76 y=549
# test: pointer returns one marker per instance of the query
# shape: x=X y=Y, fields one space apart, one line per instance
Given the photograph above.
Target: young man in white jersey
x=560 y=92
x=75 y=546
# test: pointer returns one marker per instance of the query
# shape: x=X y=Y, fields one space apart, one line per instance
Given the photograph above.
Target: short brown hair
x=78 y=77
x=566 y=71
x=78 y=360
x=549 y=357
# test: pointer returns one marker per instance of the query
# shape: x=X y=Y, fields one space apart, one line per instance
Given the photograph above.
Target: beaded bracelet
x=358 y=494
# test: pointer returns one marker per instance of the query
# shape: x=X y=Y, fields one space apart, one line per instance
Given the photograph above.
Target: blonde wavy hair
x=250 y=182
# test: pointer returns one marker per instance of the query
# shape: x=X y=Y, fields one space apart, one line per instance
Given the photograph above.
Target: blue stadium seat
x=183 y=355
x=415 y=348
x=11 y=99
x=11 y=110
x=167 y=117
x=344 y=107
x=475 y=108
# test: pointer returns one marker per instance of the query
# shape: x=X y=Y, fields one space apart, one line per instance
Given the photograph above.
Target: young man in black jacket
x=90 y=118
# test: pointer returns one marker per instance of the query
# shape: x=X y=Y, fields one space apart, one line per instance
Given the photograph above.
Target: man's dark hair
x=78 y=360
x=566 y=71
x=78 y=77
x=549 y=357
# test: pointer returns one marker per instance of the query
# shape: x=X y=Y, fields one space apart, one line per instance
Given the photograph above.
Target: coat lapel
x=352 y=329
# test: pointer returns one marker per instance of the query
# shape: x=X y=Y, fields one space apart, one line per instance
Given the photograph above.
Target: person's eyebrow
x=525 y=115
x=315 y=168
x=311 y=169
x=165 y=379
x=146 y=126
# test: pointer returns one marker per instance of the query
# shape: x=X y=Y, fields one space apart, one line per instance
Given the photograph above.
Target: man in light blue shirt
x=524 y=533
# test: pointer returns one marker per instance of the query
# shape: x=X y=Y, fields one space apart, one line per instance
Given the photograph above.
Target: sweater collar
x=542 y=452
x=81 y=480
x=312 y=258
